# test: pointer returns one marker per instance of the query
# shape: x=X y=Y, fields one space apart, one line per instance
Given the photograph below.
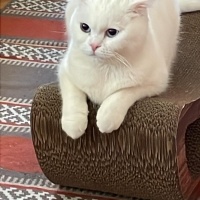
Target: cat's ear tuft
x=139 y=7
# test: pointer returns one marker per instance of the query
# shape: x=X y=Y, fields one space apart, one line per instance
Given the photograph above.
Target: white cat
x=119 y=52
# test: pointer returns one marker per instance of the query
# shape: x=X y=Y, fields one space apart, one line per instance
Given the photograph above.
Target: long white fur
x=133 y=65
x=189 y=5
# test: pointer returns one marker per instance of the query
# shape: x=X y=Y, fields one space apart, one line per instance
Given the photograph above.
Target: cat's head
x=102 y=28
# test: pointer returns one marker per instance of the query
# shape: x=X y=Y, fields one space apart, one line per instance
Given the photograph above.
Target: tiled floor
x=3 y=3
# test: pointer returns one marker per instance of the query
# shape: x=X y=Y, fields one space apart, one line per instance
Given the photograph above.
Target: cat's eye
x=85 y=28
x=111 y=32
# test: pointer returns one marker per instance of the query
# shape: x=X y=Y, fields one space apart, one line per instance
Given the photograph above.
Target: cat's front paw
x=74 y=125
x=109 y=119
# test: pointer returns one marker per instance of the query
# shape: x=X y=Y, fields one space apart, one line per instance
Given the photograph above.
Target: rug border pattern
x=33 y=14
x=16 y=63
x=34 y=42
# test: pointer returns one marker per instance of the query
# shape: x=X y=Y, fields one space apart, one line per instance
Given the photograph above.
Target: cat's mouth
x=98 y=55
x=94 y=54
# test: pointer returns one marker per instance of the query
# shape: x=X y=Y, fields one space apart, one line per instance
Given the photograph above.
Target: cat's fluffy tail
x=189 y=5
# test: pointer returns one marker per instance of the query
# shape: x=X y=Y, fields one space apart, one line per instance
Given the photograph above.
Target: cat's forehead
x=106 y=6
x=103 y=13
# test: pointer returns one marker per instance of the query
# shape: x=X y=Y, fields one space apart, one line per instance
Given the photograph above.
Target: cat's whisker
x=117 y=57
x=114 y=56
x=122 y=60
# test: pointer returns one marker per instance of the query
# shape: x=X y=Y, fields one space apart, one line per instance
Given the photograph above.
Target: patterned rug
x=32 y=43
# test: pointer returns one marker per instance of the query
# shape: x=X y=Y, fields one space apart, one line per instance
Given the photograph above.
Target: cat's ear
x=139 y=7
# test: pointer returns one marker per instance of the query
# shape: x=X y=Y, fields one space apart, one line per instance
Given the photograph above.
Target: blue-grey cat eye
x=85 y=28
x=111 y=32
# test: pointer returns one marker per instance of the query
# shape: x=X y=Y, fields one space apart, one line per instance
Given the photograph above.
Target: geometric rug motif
x=32 y=53
x=13 y=193
x=37 y=8
x=15 y=114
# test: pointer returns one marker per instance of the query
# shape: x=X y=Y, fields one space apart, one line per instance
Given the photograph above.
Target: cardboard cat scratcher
x=156 y=152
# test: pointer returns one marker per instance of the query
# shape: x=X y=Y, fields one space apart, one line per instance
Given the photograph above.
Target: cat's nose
x=94 y=46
